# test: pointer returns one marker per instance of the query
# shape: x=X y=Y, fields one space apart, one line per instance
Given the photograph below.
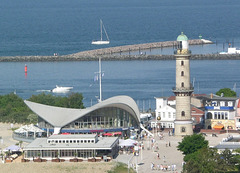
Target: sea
x=32 y=27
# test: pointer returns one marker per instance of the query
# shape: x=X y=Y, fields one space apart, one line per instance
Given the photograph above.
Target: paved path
x=172 y=155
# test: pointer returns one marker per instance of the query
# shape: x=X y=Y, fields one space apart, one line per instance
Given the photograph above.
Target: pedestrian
x=158 y=155
x=166 y=144
x=158 y=167
x=164 y=159
x=152 y=166
x=169 y=144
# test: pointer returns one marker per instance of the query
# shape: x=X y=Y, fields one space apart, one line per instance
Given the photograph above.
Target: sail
x=101 y=41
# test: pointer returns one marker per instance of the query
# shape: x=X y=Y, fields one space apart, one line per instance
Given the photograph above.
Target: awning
x=218 y=127
x=117 y=133
x=107 y=134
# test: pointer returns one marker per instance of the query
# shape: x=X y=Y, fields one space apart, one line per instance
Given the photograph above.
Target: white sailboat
x=102 y=41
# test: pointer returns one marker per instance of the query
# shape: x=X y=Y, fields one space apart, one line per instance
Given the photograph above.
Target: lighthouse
x=183 y=90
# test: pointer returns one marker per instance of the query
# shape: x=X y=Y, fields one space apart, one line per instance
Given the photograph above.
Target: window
x=209 y=115
x=169 y=114
x=182 y=84
x=174 y=115
x=182 y=73
x=226 y=115
x=222 y=103
x=63 y=141
x=215 y=115
x=183 y=129
x=182 y=63
x=222 y=115
x=230 y=104
x=183 y=113
x=163 y=114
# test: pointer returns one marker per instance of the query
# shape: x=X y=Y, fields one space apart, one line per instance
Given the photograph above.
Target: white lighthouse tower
x=183 y=90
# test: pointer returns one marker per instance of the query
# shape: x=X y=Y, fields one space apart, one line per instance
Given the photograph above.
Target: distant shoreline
x=114 y=54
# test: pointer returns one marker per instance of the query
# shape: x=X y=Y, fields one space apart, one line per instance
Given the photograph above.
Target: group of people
x=163 y=167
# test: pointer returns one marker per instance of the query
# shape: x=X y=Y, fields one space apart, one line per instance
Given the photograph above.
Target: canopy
x=12 y=148
x=127 y=143
x=28 y=128
x=218 y=127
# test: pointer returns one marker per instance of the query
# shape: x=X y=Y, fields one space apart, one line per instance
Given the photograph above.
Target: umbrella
x=107 y=134
x=117 y=133
x=12 y=148
x=127 y=143
x=65 y=133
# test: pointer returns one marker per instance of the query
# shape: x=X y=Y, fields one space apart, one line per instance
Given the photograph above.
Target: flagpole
x=100 y=81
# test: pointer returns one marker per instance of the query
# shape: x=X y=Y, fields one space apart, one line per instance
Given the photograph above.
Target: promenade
x=172 y=155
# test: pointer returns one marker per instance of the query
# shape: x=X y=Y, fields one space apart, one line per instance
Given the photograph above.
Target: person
x=169 y=144
x=164 y=159
x=152 y=166
x=166 y=144
x=158 y=155
x=158 y=167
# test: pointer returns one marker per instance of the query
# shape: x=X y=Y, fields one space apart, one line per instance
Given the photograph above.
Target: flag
x=95 y=78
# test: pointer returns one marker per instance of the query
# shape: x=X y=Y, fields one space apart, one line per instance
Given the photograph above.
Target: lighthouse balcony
x=182 y=52
x=183 y=89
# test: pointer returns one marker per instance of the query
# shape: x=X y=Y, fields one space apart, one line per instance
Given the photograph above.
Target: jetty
x=114 y=54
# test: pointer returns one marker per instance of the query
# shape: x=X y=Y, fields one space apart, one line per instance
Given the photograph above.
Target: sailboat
x=102 y=41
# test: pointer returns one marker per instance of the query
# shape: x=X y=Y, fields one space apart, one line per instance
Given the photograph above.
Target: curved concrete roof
x=59 y=117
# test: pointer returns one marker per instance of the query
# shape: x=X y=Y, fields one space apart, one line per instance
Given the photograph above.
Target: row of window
x=217 y=115
x=170 y=115
x=70 y=141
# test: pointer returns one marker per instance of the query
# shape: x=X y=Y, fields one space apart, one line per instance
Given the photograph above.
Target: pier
x=114 y=54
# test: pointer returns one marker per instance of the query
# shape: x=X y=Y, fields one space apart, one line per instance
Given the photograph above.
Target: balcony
x=182 y=52
x=183 y=89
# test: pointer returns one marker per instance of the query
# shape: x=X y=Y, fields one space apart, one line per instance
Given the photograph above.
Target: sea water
x=32 y=27
x=141 y=80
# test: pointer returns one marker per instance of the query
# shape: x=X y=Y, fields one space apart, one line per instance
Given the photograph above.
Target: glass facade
x=104 y=118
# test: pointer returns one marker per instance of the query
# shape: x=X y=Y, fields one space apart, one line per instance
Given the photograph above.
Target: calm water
x=32 y=27
x=142 y=80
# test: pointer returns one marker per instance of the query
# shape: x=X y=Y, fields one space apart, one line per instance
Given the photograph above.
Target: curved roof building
x=118 y=113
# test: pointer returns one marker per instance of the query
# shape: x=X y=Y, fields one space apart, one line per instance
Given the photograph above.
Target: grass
x=121 y=168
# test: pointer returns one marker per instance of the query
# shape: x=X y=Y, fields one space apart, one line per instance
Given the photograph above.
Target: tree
x=74 y=100
x=207 y=160
x=193 y=143
x=227 y=92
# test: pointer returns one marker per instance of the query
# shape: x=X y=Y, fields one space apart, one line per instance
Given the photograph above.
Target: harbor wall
x=114 y=54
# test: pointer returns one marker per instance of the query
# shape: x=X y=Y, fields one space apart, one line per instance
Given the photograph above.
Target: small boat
x=98 y=42
x=60 y=89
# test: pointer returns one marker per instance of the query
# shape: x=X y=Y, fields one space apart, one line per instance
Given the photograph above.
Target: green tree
x=207 y=160
x=191 y=144
x=74 y=100
x=227 y=92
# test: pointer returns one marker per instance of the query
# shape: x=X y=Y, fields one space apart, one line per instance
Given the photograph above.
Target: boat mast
x=101 y=28
x=100 y=81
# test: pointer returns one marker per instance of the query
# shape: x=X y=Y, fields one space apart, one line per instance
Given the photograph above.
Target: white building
x=165 y=113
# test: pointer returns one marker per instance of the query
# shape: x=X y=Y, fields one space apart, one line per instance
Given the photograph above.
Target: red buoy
x=25 y=68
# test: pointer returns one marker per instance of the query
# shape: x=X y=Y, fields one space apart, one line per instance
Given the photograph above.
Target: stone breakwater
x=135 y=47
x=114 y=58
x=109 y=54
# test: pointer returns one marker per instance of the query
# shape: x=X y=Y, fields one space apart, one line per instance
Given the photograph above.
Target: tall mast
x=101 y=28
x=100 y=80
